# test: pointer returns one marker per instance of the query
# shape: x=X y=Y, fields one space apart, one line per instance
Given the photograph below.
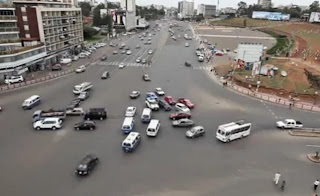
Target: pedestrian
x=316 y=184
x=283 y=184
x=277 y=178
x=290 y=105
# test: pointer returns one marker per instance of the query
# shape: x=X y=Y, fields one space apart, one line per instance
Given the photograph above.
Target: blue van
x=146 y=115
x=128 y=125
x=131 y=142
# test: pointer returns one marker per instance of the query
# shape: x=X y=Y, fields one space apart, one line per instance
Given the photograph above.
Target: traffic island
x=305 y=133
x=314 y=158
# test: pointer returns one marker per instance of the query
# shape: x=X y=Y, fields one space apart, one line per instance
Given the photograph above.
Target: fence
x=273 y=99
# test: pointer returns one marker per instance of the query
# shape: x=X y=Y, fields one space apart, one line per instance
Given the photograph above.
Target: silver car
x=185 y=122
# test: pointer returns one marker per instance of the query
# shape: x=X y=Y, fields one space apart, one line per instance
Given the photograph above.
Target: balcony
x=20 y=50
x=8 y=18
x=9 y=29
x=6 y=6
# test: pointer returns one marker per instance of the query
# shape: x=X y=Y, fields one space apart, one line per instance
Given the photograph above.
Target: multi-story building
x=57 y=24
x=16 y=56
x=185 y=9
x=264 y=3
x=207 y=10
x=228 y=10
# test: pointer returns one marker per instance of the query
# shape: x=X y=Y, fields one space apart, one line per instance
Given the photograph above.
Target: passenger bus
x=233 y=131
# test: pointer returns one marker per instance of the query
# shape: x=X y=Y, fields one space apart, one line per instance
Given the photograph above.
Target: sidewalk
x=45 y=75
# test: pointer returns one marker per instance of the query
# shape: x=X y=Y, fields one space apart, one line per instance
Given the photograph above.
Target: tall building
x=16 y=56
x=207 y=10
x=185 y=9
x=56 y=24
x=264 y=3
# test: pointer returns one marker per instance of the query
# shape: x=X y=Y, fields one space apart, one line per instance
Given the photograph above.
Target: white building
x=264 y=3
x=228 y=10
x=207 y=10
x=185 y=9
x=129 y=19
x=250 y=52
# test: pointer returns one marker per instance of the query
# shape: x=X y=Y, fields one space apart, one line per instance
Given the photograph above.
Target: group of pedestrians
x=277 y=177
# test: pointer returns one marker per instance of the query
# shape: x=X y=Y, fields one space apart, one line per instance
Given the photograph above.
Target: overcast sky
x=223 y=3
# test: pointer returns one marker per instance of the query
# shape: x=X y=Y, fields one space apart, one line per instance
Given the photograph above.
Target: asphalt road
x=43 y=163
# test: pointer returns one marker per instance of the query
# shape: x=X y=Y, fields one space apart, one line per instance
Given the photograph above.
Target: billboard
x=270 y=15
x=314 y=17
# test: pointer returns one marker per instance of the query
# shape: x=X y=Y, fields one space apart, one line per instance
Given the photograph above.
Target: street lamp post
x=315 y=98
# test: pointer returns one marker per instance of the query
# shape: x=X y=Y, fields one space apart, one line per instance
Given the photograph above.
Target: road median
x=305 y=132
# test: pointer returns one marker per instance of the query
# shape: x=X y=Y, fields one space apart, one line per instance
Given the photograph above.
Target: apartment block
x=16 y=56
x=185 y=9
x=206 y=10
x=55 y=23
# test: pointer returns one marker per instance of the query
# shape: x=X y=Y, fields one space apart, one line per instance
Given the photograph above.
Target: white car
x=138 y=46
x=182 y=108
x=150 y=52
x=129 y=52
x=152 y=104
x=159 y=91
x=115 y=52
x=198 y=53
x=201 y=58
x=75 y=58
x=186 y=44
x=14 y=79
x=48 y=123
x=131 y=111
x=121 y=65
x=75 y=112
x=81 y=69
x=83 y=55
x=138 y=60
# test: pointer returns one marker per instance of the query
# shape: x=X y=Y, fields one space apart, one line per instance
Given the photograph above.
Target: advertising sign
x=270 y=15
x=314 y=17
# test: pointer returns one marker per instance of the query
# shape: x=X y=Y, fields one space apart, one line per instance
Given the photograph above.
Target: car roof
x=88 y=158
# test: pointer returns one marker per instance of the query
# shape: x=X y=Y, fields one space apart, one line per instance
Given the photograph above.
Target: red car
x=170 y=100
x=179 y=115
x=186 y=102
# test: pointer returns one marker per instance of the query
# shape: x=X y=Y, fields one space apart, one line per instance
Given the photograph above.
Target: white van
x=65 y=60
x=153 y=128
x=31 y=102
x=131 y=142
x=146 y=115
x=77 y=89
x=128 y=125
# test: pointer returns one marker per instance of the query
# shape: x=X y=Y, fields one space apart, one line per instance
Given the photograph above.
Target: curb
x=310 y=157
x=49 y=77
x=304 y=133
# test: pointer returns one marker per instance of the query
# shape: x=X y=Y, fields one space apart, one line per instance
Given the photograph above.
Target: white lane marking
x=316 y=146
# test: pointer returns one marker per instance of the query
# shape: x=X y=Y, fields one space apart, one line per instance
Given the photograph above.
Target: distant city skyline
x=222 y=3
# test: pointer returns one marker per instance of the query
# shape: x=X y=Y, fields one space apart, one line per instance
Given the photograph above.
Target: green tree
x=89 y=31
x=314 y=7
x=85 y=8
x=242 y=8
x=97 y=15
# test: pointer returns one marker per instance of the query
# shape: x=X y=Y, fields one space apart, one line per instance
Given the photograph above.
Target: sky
x=222 y=4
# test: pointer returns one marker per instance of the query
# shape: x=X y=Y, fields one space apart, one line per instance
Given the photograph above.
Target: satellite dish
x=284 y=73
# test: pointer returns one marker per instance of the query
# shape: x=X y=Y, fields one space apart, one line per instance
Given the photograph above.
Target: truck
x=41 y=114
x=289 y=124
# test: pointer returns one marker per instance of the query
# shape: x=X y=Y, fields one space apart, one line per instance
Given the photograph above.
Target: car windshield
x=126 y=127
x=221 y=132
x=126 y=145
x=82 y=166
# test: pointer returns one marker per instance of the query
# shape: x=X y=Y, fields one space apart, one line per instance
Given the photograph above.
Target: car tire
x=54 y=128
x=38 y=128
x=228 y=140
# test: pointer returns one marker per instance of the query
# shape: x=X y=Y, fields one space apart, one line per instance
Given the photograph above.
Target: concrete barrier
x=16 y=85
x=4 y=88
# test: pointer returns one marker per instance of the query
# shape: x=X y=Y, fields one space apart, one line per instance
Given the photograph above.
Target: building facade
x=128 y=18
x=207 y=10
x=185 y=9
x=16 y=56
x=264 y=3
x=56 y=24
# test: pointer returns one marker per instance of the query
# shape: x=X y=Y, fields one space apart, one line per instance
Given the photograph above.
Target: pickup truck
x=41 y=114
x=289 y=124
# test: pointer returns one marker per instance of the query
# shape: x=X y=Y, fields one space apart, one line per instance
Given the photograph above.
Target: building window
x=24 y=18
x=26 y=27
x=23 y=9
x=27 y=35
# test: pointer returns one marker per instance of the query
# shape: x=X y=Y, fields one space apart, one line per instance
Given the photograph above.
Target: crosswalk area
x=127 y=64
x=202 y=68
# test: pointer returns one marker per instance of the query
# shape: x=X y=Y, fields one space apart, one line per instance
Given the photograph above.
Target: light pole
x=315 y=98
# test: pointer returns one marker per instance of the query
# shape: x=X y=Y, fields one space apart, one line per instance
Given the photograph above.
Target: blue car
x=152 y=95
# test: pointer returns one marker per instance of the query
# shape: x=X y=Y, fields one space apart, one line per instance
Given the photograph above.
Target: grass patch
x=283 y=42
x=239 y=22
